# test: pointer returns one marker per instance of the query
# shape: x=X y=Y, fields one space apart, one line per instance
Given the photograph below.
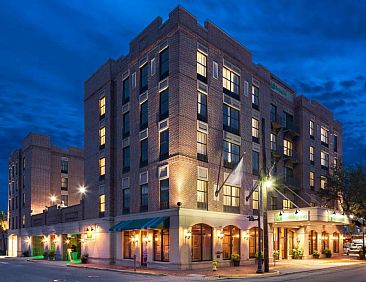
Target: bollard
x=214 y=265
x=134 y=263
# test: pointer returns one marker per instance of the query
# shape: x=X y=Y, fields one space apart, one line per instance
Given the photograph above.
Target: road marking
x=93 y=276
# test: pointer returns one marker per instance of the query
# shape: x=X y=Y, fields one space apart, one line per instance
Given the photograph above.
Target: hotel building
x=164 y=127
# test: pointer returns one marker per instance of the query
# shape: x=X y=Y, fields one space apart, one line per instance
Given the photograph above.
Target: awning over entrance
x=144 y=223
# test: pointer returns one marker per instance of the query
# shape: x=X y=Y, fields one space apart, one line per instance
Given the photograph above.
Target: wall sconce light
x=67 y=241
x=246 y=236
x=281 y=213
x=146 y=239
x=297 y=211
x=45 y=240
x=82 y=240
x=135 y=239
x=220 y=235
x=28 y=240
x=188 y=235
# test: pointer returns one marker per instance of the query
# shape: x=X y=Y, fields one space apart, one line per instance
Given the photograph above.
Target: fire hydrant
x=214 y=265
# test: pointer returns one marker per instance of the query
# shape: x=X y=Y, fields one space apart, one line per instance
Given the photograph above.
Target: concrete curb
x=117 y=270
x=235 y=276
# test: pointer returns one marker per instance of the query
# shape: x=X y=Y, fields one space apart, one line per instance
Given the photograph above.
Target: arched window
x=325 y=241
x=201 y=242
x=231 y=241
x=254 y=242
x=335 y=242
x=313 y=242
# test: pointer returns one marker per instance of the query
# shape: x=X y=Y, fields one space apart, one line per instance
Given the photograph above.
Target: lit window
x=215 y=70
x=312 y=179
x=323 y=182
x=102 y=136
x=202 y=188
x=231 y=154
x=230 y=83
x=255 y=199
x=255 y=96
x=102 y=107
x=311 y=151
x=324 y=133
x=311 y=126
x=201 y=146
x=101 y=204
x=286 y=204
x=287 y=148
x=231 y=198
x=64 y=184
x=255 y=130
x=273 y=142
x=102 y=166
x=324 y=159
x=201 y=66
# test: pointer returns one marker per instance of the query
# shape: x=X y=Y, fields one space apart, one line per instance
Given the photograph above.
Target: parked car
x=354 y=250
x=346 y=247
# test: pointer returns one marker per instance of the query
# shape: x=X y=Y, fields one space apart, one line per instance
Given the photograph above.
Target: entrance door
x=13 y=242
x=144 y=248
x=290 y=241
x=283 y=243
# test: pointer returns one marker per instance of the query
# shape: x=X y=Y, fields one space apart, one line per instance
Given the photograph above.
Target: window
x=144 y=197
x=126 y=159
x=161 y=245
x=335 y=162
x=324 y=136
x=64 y=184
x=323 y=182
x=201 y=66
x=255 y=162
x=255 y=200
x=164 y=63
x=201 y=107
x=126 y=201
x=231 y=154
x=64 y=166
x=313 y=241
x=23 y=163
x=23 y=201
x=152 y=66
x=335 y=238
x=144 y=115
x=324 y=160
x=102 y=107
x=311 y=151
x=133 y=80
x=231 y=199
x=102 y=137
x=126 y=125
x=288 y=148
x=64 y=200
x=164 y=194
x=231 y=119
x=101 y=205
x=215 y=70
x=201 y=242
x=273 y=142
x=312 y=180
x=202 y=188
x=144 y=148
x=289 y=176
x=325 y=241
x=230 y=83
x=201 y=146
x=23 y=220
x=335 y=141
x=311 y=126
x=255 y=97
x=102 y=167
x=286 y=204
x=254 y=242
x=273 y=203
x=164 y=104
x=255 y=130
x=164 y=144
x=230 y=241
x=144 y=78
x=127 y=244
x=125 y=90
x=273 y=113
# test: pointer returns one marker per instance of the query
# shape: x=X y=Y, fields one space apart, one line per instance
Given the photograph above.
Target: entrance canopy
x=143 y=223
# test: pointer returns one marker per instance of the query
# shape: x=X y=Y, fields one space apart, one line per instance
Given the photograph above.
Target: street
x=14 y=270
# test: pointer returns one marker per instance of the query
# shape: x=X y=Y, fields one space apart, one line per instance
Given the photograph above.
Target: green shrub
x=235 y=257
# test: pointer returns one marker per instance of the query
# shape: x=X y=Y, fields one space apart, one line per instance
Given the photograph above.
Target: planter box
x=236 y=262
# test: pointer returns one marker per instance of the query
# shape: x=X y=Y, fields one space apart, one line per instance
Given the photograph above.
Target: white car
x=354 y=250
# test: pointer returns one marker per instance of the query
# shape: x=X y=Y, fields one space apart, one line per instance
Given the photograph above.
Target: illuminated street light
x=268 y=183
x=82 y=190
x=53 y=199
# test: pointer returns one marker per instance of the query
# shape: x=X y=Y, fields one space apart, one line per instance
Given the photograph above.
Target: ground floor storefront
x=184 y=238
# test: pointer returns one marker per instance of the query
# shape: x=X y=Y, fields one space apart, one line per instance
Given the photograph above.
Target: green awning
x=144 y=223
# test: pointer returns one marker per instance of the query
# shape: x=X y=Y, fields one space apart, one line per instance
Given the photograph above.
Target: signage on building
x=292 y=216
x=282 y=91
x=336 y=217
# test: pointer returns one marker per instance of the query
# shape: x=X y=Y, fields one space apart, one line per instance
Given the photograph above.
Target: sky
x=49 y=48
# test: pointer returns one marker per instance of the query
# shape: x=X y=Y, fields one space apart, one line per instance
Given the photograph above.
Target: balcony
x=276 y=124
x=291 y=182
x=275 y=151
x=290 y=156
x=291 y=130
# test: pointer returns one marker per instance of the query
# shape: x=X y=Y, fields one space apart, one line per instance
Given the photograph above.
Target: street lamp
x=53 y=199
x=82 y=190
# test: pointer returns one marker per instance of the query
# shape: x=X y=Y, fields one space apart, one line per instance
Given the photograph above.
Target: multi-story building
x=174 y=117
x=165 y=126
x=41 y=175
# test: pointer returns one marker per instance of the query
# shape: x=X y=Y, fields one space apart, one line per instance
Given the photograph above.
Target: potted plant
x=297 y=253
x=84 y=258
x=26 y=253
x=276 y=254
x=45 y=254
x=316 y=254
x=328 y=253
x=236 y=259
x=51 y=255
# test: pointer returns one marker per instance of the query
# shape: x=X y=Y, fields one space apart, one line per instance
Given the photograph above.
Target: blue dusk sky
x=49 y=48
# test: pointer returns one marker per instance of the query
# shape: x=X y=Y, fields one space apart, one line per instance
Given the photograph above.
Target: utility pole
x=259 y=268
